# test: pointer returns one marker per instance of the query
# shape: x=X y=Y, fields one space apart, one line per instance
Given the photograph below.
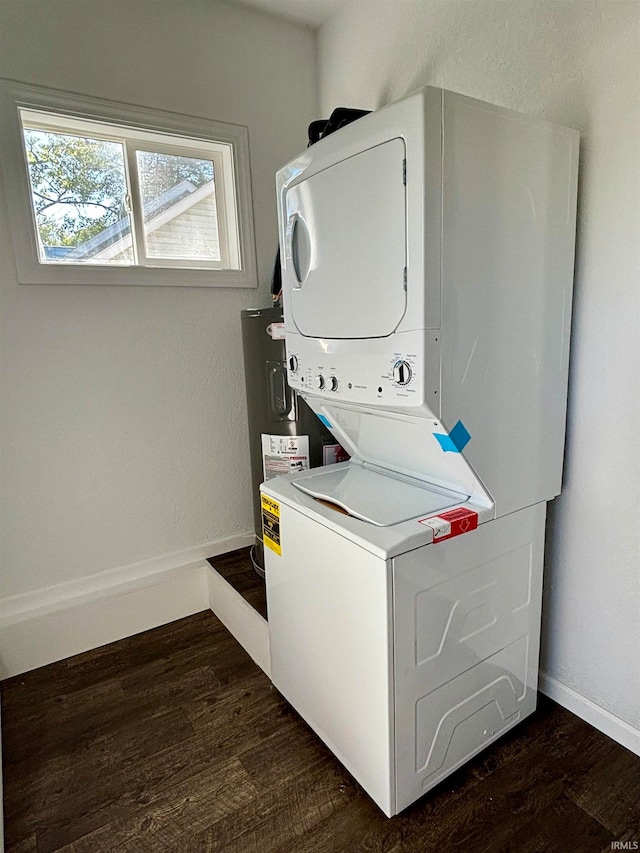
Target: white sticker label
x=276 y=331
x=440 y=526
x=284 y=454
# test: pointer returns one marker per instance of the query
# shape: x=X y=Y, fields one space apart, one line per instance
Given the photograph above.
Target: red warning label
x=452 y=523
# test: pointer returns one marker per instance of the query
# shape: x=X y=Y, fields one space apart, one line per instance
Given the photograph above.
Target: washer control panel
x=368 y=371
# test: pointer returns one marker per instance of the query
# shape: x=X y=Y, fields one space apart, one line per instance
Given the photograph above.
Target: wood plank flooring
x=174 y=740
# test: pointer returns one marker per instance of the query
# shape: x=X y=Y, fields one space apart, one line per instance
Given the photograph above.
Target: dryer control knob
x=402 y=372
x=293 y=363
x=319 y=382
x=333 y=383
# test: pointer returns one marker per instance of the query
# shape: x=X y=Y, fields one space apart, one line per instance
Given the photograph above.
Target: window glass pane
x=179 y=206
x=78 y=192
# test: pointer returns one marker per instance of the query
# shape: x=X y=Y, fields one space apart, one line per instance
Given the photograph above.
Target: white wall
x=123 y=412
x=575 y=63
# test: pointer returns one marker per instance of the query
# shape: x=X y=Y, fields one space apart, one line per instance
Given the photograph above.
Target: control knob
x=319 y=382
x=402 y=372
x=333 y=383
x=293 y=363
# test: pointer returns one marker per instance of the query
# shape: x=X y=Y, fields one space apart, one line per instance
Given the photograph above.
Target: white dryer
x=427 y=276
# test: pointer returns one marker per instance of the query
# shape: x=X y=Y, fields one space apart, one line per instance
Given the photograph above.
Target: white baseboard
x=47 y=625
x=248 y=627
x=595 y=715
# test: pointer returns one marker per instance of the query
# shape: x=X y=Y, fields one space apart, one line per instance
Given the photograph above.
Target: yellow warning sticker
x=271 y=524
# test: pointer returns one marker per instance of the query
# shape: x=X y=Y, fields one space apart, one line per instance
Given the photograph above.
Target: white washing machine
x=427 y=277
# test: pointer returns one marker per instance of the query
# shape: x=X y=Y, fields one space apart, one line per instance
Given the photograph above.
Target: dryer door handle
x=300 y=248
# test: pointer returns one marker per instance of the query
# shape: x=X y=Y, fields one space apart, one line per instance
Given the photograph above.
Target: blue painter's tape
x=325 y=421
x=456 y=441
x=460 y=436
x=445 y=442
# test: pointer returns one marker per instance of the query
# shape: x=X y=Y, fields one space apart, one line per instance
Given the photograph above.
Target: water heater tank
x=284 y=434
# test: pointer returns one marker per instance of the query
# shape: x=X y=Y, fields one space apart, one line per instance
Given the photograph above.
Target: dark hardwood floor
x=174 y=740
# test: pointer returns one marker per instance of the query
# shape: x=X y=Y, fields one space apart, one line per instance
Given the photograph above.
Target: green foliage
x=159 y=172
x=66 y=233
x=78 y=185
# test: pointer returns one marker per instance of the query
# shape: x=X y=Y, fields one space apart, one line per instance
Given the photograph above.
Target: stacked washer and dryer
x=427 y=263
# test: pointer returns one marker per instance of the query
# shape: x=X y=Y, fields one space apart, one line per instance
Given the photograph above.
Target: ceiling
x=312 y=13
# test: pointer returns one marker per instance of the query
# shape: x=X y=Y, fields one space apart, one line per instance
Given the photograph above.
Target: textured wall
x=123 y=413
x=575 y=63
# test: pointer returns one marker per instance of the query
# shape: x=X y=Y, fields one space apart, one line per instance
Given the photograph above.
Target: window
x=109 y=194
x=102 y=194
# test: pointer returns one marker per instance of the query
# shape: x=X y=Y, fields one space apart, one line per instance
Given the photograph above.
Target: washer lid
x=345 y=246
x=381 y=499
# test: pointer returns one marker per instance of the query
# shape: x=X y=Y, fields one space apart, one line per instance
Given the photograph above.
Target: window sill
x=127 y=276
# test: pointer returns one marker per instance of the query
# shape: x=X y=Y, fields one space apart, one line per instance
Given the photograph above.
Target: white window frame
x=140 y=129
